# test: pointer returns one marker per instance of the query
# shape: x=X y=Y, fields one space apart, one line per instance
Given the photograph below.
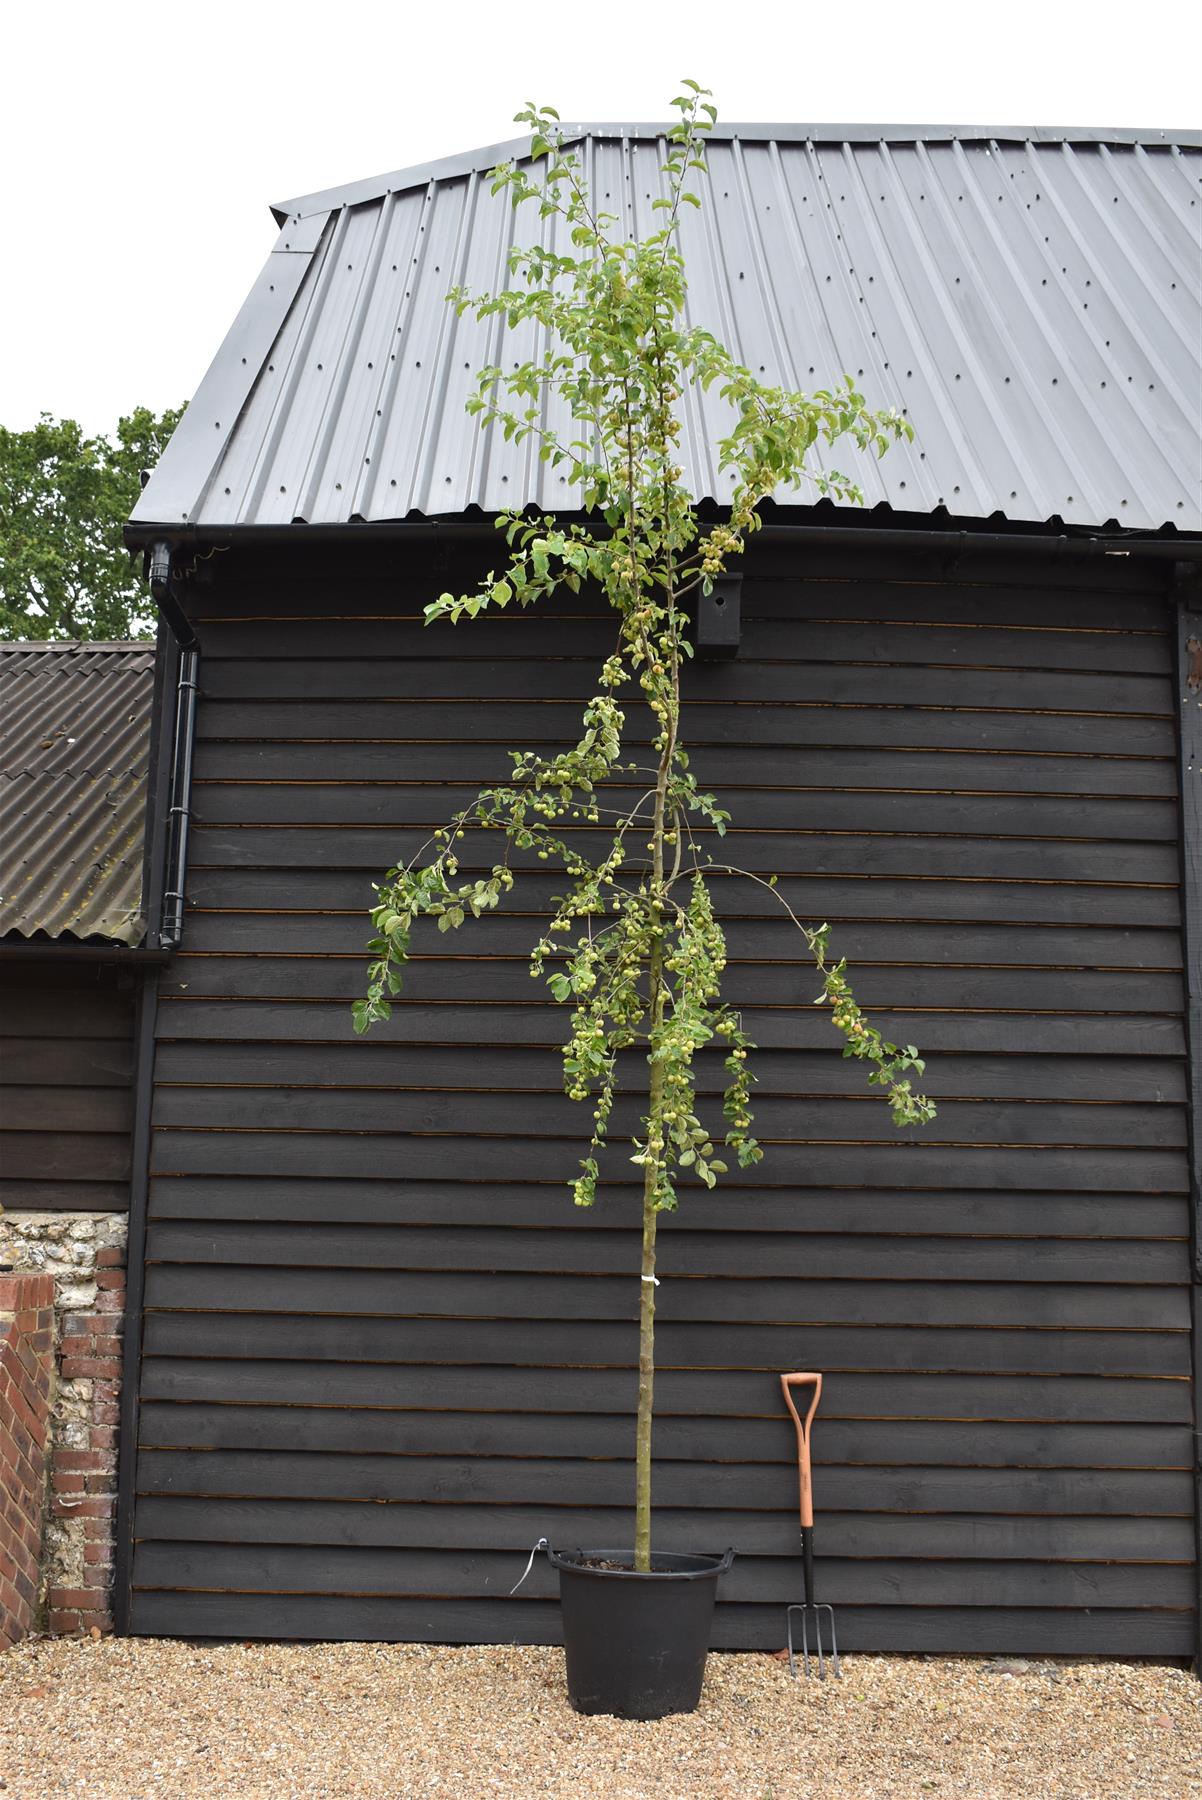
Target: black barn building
x=375 y=1351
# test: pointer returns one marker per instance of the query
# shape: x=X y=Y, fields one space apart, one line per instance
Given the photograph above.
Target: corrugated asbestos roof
x=74 y=755
x=1031 y=299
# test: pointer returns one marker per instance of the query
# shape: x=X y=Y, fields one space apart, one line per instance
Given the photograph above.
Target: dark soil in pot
x=635 y=1643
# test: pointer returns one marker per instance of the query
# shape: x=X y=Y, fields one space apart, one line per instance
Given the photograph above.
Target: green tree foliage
x=634 y=947
x=64 y=497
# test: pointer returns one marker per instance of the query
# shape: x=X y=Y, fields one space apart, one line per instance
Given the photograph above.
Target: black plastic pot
x=636 y=1643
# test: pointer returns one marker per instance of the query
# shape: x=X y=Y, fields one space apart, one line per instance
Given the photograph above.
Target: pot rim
x=714 y=1562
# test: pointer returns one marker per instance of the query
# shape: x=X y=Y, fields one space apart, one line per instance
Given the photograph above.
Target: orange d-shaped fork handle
x=803 y=1438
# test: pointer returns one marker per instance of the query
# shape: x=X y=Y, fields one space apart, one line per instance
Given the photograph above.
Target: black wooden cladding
x=382 y=1353
x=66 y=1058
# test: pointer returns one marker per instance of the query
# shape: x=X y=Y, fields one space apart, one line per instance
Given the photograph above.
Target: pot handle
x=727 y=1559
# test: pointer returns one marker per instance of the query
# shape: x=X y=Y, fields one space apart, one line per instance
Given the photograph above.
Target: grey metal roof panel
x=1030 y=299
x=74 y=754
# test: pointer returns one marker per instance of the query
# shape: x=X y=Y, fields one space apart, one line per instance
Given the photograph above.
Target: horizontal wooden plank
x=1084 y=1631
x=906 y=1443
x=991 y=1232
x=785 y=853
x=788 y=766
x=378 y=1062
x=613 y=1344
x=901 y=1163
x=915 y=899
x=468 y=677
x=1110 y=591
x=784 y=637
x=57 y=1156
x=64 y=1109
x=770 y=939
x=802 y=722
x=966 y=597
x=59 y=1062
x=313 y=1292
x=712 y=1393
x=778 y=1118
x=458 y=978
x=401 y=806
x=753 y=1487
x=59 y=1195
x=182 y=1525
x=76 y=1012
x=185 y=1018
x=229 y=1568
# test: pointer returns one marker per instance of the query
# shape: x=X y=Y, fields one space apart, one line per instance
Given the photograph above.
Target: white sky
x=140 y=144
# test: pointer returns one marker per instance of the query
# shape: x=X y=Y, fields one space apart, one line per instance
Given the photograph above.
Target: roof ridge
x=486 y=156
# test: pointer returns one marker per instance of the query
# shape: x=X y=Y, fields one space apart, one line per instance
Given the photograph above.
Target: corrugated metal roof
x=74 y=755
x=1030 y=299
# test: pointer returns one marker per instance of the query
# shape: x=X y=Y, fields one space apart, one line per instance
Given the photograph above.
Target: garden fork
x=809 y=1604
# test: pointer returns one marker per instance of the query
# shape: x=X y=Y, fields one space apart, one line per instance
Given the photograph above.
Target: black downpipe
x=179 y=811
x=158 y=569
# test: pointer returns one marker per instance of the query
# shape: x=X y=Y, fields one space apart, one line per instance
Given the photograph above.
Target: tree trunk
x=642 y=1435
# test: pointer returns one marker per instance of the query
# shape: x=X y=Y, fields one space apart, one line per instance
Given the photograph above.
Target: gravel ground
x=126 y=1718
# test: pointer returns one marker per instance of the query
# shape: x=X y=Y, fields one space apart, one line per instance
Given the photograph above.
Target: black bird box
x=719 y=622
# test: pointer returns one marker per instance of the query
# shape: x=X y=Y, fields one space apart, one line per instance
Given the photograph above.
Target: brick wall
x=81 y=1256
x=26 y=1381
x=83 y=1476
